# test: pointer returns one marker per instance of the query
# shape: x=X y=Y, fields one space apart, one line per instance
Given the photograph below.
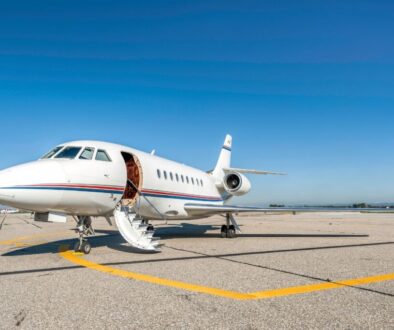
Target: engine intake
x=236 y=184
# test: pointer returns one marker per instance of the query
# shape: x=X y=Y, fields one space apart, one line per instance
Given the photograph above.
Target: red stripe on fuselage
x=118 y=188
x=88 y=186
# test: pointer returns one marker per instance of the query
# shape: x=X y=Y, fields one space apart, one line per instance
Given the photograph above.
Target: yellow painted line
x=30 y=243
x=322 y=286
x=77 y=259
x=70 y=256
x=17 y=240
x=21 y=244
x=14 y=240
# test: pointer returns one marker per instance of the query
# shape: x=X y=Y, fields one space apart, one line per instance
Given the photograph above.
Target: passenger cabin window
x=52 y=153
x=102 y=155
x=187 y=179
x=192 y=180
x=172 y=178
x=158 y=174
x=69 y=153
x=87 y=153
x=177 y=177
x=165 y=175
x=202 y=183
x=182 y=178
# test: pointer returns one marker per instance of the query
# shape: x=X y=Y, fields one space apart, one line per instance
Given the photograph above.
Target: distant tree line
x=355 y=206
x=369 y=206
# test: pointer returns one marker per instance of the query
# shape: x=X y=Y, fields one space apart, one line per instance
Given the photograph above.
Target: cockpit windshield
x=51 y=153
x=69 y=152
x=87 y=153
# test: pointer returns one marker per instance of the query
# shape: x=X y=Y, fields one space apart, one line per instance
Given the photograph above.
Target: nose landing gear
x=84 y=228
x=83 y=247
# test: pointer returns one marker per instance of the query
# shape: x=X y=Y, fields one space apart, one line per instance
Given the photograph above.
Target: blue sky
x=304 y=87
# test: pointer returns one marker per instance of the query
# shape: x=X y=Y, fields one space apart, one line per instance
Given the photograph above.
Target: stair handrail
x=147 y=200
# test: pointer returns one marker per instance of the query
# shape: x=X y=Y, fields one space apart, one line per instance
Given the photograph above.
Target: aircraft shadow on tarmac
x=113 y=240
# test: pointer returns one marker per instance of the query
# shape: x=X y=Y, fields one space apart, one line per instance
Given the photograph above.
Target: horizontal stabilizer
x=249 y=171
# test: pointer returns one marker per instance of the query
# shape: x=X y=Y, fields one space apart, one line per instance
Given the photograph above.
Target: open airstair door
x=134 y=229
x=134 y=174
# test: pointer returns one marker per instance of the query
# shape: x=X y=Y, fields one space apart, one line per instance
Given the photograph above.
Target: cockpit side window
x=102 y=155
x=87 y=153
x=51 y=153
x=69 y=152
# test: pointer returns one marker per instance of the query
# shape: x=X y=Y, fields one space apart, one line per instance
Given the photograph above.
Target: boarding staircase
x=135 y=230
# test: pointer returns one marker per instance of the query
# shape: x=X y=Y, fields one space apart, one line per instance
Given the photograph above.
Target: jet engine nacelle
x=236 y=184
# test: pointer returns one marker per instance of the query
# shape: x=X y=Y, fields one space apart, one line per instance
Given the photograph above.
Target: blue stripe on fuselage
x=68 y=189
x=111 y=192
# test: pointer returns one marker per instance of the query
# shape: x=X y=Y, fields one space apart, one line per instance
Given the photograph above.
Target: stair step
x=155 y=244
x=148 y=234
x=134 y=230
x=142 y=227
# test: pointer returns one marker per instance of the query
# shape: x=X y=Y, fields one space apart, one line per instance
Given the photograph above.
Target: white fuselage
x=94 y=187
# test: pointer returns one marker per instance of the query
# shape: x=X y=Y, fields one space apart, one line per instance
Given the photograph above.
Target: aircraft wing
x=210 y=208
x=250 y=171
x=218 y=209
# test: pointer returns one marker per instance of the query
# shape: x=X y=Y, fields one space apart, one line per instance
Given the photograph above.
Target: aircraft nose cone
x=17 y=184
x=5 y=180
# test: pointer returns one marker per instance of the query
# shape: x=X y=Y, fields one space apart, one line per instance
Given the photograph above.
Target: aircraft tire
x=223 y=231
x=86 y=247
x=231 y=233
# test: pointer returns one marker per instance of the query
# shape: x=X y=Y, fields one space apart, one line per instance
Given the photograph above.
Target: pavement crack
x=20 y=317
x=47 y=274
x=2 y=222
x=30 y=223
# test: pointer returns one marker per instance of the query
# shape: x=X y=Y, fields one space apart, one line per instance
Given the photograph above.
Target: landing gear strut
x=227 y=230
x=84 y=228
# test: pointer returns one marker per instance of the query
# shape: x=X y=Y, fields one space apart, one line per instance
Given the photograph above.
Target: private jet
x=87 y=179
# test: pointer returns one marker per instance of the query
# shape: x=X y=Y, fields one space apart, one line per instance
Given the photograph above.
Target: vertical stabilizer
x=224 y=160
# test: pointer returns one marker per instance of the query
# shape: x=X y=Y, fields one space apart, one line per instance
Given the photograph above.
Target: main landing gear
x=84 y=228
x=229 y=230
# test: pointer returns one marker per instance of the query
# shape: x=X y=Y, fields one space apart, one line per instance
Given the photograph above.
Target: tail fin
x=224 y=160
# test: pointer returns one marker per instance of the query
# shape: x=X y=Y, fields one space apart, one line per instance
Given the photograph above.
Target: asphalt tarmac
x=309 y=271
